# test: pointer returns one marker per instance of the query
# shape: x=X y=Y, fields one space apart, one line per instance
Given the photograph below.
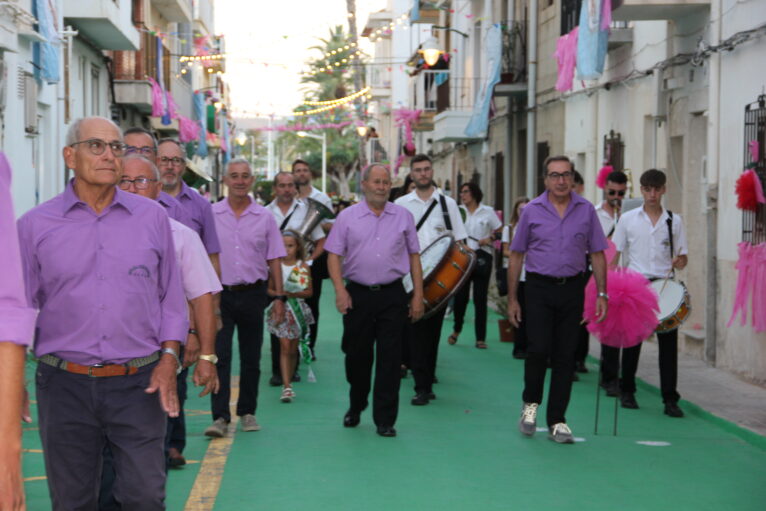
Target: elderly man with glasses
x=553 y=235
x=100 y=266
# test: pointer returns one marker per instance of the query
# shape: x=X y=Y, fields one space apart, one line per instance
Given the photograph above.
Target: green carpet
x=463 y=451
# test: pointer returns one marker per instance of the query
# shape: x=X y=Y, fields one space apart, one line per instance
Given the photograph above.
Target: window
x=570 y=15
x=614 y=151
x=754 y=222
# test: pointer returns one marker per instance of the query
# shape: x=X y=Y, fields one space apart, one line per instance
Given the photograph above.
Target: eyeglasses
x=556 y=176
x=175 y=160
x=96 y=146
x=621 y=193
x=141 y=183
x=145 y=150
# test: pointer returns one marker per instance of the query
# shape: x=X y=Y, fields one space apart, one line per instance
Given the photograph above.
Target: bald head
x=140 y=176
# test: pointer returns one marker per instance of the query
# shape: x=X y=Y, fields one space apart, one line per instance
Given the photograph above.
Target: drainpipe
x=711 y=209
x=511 y=122
x=532 y=99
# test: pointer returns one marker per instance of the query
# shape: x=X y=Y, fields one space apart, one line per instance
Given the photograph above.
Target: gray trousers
x=79 y=415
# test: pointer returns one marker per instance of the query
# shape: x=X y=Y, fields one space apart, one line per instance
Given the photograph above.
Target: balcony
x=204 y=16
x=106 y=24
x=131 y=69
x=423 y=14
x=424 y=90
x=378 y=21
x=620 y=34
x=513 y=74
x=454 y=107
x=628 y=10
x=178 y=11
x=379 y=79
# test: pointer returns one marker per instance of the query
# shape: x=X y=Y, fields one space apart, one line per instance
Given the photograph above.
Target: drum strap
x=425 y=216
x=287 y=219
x=445 y=213
x=670 y=237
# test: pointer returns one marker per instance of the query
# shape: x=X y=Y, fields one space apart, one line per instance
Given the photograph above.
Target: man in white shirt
x=654 y=243
x=442 y=218
x=290 y=212
x=608 y=210
x=303 y=176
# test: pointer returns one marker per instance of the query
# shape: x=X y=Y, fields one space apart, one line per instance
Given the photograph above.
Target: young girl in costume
x=294 y=328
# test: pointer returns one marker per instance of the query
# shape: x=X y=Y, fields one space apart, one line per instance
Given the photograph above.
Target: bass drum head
x=671 y=296
x=430 y=259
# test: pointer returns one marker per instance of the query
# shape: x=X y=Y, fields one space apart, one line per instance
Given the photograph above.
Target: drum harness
x=445 y=214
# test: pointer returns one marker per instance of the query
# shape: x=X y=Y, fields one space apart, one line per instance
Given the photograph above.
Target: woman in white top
x=297 y=286
x=520 y=339
x=481 y=224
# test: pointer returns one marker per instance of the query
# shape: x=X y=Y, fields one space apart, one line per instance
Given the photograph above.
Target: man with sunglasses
x=554 y=233
x=608 y=210
x=100 y=266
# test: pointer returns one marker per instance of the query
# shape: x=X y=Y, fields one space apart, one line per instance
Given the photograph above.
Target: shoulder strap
x=425 y=216
x=670 y=235
x=287 y=219
x=445 y=213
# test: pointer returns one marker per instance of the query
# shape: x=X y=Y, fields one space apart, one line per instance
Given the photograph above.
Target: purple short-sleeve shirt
x=17 y=319
x=556 y=246
x=107 y=284
x=175 y=210
x=247 y=243
x=201 y=214
x=375 y=249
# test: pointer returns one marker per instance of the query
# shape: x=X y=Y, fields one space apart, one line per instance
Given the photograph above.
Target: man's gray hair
x=282 y=173
x=143 y=159
x=141 y=131
x=239 y=161
x=73 y=133
x=366 y=171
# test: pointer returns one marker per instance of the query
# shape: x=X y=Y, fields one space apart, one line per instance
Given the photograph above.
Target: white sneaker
x=217 y=429
x=249 y=423
x=287 y=395
x=561 y=434
x=528 y=421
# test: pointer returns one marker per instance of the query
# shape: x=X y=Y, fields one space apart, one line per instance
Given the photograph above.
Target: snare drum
x=446 y=267
x=675 y=304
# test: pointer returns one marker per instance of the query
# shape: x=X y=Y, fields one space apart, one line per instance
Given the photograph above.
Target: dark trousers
x=479 y=280
x=553 y=318
x=668 y=361
x=243 y=310
x=372 y=332
x=520 y=339
x=424 y=345
x=79 y=416
x=176 y=432
x=318 y=273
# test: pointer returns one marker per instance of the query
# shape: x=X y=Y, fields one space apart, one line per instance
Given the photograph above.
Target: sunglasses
x=612 y=193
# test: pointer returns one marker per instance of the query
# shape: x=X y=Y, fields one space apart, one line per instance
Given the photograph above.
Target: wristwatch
x=192 y=331
x=213 y=359
x=603 y=295
x=172 y=352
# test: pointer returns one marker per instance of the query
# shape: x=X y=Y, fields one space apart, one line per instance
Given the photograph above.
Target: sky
x=268 y=43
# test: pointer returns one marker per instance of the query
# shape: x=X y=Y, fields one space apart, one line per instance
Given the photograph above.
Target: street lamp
x=241 y=140
x=323 y=138
x=430 y=51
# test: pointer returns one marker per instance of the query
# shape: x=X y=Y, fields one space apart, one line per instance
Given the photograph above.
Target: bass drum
x=446 y=267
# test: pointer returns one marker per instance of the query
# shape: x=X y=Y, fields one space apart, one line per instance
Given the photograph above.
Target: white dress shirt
x=646 y=247
x=296 y=220
x=607 y=221
x=434 y=226
x=479 y=225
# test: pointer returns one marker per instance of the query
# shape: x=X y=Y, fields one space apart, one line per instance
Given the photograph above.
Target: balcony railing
x=456 y=93
x=378 y=77
x=514 y=66
x=425 y=89
x=137 y=65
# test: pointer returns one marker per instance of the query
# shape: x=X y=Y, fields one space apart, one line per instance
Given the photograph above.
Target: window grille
x=570 y=15
x=614 y=151
x=754 y=222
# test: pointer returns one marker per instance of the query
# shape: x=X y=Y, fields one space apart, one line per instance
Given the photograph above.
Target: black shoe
x=387 y=431
x=612 y=388
x=628 y=400
x=275 y=381
x=431 y=396
x=580 y=367
x=403 y=372
x=420 y=400
x=672 y=410
x=296 y=377
x=575 y=377
x=350 y=420
x=436 y=380
x=520 y=355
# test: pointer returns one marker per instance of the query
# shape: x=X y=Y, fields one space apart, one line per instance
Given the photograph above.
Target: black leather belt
x=375 y=287
x=244 y=287
x=559 y=281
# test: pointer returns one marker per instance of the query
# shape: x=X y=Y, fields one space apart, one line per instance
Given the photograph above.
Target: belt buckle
x=375 y=287
x=96 y=366
x=560 y=281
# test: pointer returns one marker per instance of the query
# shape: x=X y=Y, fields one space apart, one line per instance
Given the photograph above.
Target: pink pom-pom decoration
x=749 y=191
x=602 y=175
x=633 y=308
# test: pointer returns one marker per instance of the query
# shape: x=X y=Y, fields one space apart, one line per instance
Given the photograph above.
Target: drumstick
x=667 y=277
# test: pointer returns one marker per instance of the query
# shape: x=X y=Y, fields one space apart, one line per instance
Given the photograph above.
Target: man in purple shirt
x=372 y=245
x=251 y=252
x=555 y=232
x=99 y=265
x=17 y=325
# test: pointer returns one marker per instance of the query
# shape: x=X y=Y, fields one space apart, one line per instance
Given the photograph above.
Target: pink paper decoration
x=751 y=286
x=566 y=55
